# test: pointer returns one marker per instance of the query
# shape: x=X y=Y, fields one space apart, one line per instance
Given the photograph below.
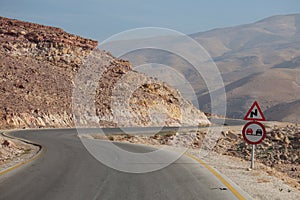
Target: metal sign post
x=254 y=132
x=252 y=156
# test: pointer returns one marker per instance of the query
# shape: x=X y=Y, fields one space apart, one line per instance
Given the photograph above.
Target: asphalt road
x=67 y=171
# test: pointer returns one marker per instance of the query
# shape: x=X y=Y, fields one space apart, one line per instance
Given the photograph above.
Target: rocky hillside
x=38 y=68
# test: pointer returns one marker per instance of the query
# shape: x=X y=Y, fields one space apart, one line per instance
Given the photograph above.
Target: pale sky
x=99 y=19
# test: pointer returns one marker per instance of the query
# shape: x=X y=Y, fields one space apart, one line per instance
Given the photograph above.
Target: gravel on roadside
x=14 y=151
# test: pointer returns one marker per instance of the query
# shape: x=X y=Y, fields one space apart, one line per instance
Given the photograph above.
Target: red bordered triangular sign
x=255 y=113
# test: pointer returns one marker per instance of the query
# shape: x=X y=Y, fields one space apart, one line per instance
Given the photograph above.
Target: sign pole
x=252 y=156
x=254 y=132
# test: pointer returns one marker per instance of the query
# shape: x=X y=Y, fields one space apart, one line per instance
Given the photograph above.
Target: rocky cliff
x=39 y=65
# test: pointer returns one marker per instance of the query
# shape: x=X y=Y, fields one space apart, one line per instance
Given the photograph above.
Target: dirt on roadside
x=279 y=152
x=13 y=151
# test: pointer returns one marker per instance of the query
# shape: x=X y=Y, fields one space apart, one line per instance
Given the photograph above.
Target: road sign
x=254 y=132
x=255 y=113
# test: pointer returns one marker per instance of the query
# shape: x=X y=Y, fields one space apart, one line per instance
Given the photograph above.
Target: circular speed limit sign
x=254 y=132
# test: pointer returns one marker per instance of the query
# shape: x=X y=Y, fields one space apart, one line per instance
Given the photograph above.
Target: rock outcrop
x=39 y=65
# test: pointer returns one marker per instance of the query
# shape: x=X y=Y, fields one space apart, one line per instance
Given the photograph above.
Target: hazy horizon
x=101 y=19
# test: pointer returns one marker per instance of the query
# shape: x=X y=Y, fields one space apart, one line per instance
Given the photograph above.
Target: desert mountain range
x=258 y=61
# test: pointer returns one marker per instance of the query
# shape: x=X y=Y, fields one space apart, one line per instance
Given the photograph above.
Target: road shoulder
x=259 y=183
x=16 y=152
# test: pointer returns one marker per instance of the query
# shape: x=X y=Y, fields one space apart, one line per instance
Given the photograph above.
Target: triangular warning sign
x=255 y=113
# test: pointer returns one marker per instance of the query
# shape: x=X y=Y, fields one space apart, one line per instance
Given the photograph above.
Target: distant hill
x=285 y=112
x=267 y=55
x=258 y=61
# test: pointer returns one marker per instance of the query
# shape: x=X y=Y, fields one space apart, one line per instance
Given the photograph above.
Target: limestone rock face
x=39 y=66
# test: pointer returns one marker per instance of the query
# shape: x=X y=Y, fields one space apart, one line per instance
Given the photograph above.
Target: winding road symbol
x=255 y=113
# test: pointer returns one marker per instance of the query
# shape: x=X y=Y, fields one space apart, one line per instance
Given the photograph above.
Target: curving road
x=67 y=171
